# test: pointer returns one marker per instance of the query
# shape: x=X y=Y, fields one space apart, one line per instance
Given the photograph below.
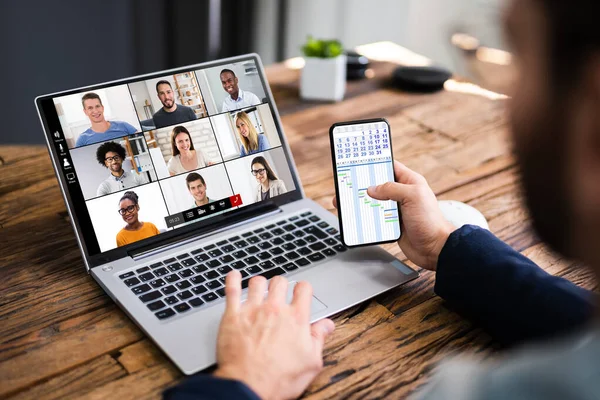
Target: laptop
x=173 y=179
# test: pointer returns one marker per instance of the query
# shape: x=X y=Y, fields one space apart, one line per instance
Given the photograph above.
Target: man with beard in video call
x=171 y=113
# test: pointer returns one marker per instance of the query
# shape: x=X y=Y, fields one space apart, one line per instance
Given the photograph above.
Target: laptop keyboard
x=196 y=279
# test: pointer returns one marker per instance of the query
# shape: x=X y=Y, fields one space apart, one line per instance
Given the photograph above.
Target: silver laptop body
x=341 y=278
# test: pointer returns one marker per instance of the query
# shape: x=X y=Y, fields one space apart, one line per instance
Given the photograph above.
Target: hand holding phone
x=362 y=156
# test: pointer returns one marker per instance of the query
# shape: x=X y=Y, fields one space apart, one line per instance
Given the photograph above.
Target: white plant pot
x=323 y=78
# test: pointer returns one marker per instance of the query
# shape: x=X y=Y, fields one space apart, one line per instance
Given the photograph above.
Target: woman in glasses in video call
x=185 y=157
x=252 y=142
x=268 y=184
x=135 y=229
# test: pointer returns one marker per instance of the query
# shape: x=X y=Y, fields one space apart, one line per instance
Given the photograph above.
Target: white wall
x=178 y=197
x=104 y=213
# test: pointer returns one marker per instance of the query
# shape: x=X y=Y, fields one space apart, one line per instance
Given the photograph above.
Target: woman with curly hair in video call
x=252 y=142
x=135 y=229
x=184 y=156
x=268 y=184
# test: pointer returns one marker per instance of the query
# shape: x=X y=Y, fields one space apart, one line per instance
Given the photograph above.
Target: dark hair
x=261 y=160
x=194 y=176
x=130 y=195
x=109 y=147
x=227 y=70
x=90 y=96
x=176 y=131
x=163 y=82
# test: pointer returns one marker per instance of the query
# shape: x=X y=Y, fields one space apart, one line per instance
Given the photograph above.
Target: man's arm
x=505 y=292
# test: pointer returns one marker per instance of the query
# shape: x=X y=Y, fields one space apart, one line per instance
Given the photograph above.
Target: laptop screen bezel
x=76 y=205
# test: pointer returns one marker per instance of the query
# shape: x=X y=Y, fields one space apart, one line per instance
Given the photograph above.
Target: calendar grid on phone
x=362 y=144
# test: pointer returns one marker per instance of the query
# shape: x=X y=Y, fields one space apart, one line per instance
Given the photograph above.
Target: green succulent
x=322 y=48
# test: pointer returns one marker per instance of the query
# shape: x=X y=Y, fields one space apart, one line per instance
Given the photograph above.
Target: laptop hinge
x=145 y=252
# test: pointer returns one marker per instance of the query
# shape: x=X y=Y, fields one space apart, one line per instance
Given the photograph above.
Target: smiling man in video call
x=101 y=129
x=267 y=349
x=171 y=113
x=111 y=155
x=237 y=98
x=197 y=188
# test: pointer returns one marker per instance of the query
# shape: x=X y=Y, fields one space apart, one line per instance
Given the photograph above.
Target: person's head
x=555 y=119
x=261 y=170
x=92 y=107
x=165 y=93
x=111 y=155
x=129 y=207
x=181 y=140
x=229 y=82
x=246 y=131
x=197 y=186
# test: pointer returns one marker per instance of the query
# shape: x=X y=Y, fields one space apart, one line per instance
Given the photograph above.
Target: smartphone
x=362 y=156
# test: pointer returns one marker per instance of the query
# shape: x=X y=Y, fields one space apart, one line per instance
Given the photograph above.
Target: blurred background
x=56 y=45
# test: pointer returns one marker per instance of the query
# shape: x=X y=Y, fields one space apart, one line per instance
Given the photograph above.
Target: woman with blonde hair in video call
x=135 y=229
x=268 y=184
x=184 y=156
x=252 y=142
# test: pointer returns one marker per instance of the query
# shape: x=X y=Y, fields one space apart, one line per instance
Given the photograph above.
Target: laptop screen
x=146 y=157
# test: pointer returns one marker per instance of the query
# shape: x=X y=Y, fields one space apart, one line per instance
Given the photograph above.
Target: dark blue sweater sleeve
x=205 y=387
x=506 y=293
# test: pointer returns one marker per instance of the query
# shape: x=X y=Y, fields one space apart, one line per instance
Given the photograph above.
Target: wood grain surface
x=62 y=337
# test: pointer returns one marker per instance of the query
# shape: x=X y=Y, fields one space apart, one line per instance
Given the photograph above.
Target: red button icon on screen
x=236 y=200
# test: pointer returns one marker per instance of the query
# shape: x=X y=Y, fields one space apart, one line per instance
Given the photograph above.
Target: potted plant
x=324 y=73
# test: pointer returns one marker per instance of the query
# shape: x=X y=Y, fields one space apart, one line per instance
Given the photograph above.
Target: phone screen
x=362 y=152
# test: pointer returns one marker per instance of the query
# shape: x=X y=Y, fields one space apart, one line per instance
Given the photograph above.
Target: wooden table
x=61 y=337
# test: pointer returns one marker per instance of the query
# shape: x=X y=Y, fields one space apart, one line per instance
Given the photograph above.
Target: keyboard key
x=316 y=257
x=213 y=263
x=255 y=269
x=305 y=214
x=126 y=275
x=221 y=292
x=238 y=264
x=253 y=240
x=244 y=273
x=143 y=269
x=226 y=259
x=228 y=248
x=313 y=230
x=172 y=300
x=301 y=223
x=168 y=290
x=290 y=267
x=157 y=305
x=259 y=230
x=288 y=246
x=240 y=254
x=175 y=267
x=224 y=270
x=299 y=233
x=311 y=239
x=212 y=285
x=278 y=231
x=252 y=249
x=147 y=276
x=340 y=247
x=251 y=260
x=157 y=283
x=296 y=218
x=200 y=289
x=266 y=265
x=277 y=251
x=156 y=265
x=183 y=256
x=215 y=253
x=209 y=297
x=181 y=308
x=323 y=224
x=211 y=274
x=183 y=285
x=222 y=280
x=331 y=231
x=265 y=236
x=198 y=279
x=277 y=241
x=289 y=227
x=317 y=246
x=264 y=255
x=164 y=314
x=292 y=255
x=234 y=239
x=304 y=251
x=264 y=245
x=141 y=289
x=161 y=271
x=197 y=251
x=246 y=234
x=202 y=257
x=131 y=281
x=151 y=296
x=330 y=242
x=210 y=247
x=172 y=278
x=329 y=252
x=314 y=218
x=303 y=262
x=200 y=268
x=222 y=243
x=241 y=244
x=188 y=262
x=270 y=226
x=267 y=274
x=196 y=302
x=185 y=295
x=186 y=273
x=288 y=237
x=300 y=242
x=282 y=222
x=169 y=260
x=280 y=260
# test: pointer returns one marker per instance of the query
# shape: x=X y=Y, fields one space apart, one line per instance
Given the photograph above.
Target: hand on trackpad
x=316 y=305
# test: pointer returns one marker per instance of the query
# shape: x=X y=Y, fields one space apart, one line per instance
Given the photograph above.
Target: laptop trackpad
x=316 y=305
